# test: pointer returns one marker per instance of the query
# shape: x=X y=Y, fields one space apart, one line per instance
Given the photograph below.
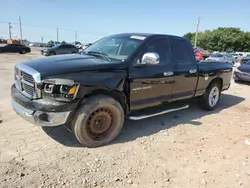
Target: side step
x=139 y=117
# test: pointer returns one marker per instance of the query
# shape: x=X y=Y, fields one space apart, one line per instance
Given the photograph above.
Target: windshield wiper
x=99 y=54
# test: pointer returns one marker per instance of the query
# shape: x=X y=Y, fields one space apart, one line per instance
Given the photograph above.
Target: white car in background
x=235 y=55
x=86 y=46
x=35 y=44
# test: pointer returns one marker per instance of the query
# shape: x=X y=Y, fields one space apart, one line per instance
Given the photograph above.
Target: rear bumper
x=42 y=112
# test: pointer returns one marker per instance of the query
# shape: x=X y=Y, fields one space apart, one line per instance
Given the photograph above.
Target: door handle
x=168 y=73
x=192 y=71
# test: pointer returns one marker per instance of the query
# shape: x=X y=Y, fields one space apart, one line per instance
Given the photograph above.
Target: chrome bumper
x=41 y=118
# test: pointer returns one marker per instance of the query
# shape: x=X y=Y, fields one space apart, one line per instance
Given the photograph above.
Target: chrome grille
x=27 y=77
x=28 y=89
x=27 y=81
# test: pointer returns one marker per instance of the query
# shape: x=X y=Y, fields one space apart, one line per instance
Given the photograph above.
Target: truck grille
x=25 y=82
x=27 y=77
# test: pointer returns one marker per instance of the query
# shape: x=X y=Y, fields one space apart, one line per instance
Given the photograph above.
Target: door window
x=161 y=47
x=182 y=52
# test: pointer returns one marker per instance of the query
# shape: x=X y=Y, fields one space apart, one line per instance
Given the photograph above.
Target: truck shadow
x=143 y=128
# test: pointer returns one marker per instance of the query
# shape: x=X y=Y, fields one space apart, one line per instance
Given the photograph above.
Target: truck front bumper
x=42 y=112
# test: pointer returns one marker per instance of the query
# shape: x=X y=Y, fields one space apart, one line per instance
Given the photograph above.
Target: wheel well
x=117 y=95
x=217 y=80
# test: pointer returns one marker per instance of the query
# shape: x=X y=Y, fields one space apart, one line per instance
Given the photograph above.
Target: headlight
x=60 y=89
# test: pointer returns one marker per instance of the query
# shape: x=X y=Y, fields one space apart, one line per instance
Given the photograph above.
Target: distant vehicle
x=242 y=73
x=198 y=56
x=245 y=59
x=42 y=44
x=15 y=48
x=35 y=44
x=3 y=41
x=60 y=49
x=49 y=45
x=201 y=52
x=86 y=46
x=222 y=57
x=235 y=55
x=230 y=58
x=77 y=44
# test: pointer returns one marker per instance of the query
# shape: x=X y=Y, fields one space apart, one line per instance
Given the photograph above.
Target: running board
x=157 y=114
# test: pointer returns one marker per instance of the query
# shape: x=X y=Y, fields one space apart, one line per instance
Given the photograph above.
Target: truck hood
x=70 y=63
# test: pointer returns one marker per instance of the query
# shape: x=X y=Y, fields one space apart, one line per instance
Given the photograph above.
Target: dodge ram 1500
x=116 y=77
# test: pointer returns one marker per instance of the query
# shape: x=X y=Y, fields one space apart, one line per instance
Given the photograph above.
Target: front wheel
x=52 y=53
x=98 y=121
x=23 y=51
x=210 y=99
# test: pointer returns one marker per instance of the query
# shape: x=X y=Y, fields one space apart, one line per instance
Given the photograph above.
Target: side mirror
x=150 y=58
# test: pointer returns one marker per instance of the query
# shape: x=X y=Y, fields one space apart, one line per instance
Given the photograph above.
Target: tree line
x=222 y=39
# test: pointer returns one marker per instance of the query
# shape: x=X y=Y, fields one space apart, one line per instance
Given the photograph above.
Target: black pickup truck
x=116 y=77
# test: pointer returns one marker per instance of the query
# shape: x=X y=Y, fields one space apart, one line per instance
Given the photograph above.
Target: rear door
x=151 y=85
x=185 y=69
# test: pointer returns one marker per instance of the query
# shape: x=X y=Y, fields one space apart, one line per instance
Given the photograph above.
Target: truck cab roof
x=147 y=35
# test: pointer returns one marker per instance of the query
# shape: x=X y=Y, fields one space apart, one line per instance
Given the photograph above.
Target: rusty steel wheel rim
x=99 y=123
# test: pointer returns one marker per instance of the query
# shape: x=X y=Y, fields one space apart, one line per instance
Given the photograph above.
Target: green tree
x=63 y=42
x=222 y=39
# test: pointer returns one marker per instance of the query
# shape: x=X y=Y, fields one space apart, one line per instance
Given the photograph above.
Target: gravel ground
x=190 y=148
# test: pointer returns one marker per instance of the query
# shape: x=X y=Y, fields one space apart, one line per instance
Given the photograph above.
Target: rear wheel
x=52 y=53
x=210 y=99
x=98 y=121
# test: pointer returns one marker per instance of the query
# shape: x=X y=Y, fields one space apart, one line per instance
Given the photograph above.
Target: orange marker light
x=72 y=90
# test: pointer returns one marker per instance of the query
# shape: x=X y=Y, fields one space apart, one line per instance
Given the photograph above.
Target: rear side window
x=182 y=50
x=161 y=47
x=65 y=46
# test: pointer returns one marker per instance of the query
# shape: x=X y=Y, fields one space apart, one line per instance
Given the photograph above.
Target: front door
x=61 y=49
x=151 y=85
x=185 y=69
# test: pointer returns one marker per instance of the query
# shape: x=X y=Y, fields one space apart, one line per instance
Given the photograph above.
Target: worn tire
x=204 y=100
x=81 y=125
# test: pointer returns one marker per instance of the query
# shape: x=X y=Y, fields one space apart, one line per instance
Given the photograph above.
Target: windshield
x=248 y=62
x=56 y=46
x=116 y=47
x=216 y=55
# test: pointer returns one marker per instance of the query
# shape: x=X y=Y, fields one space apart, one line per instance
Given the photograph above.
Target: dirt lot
x=191 y=148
